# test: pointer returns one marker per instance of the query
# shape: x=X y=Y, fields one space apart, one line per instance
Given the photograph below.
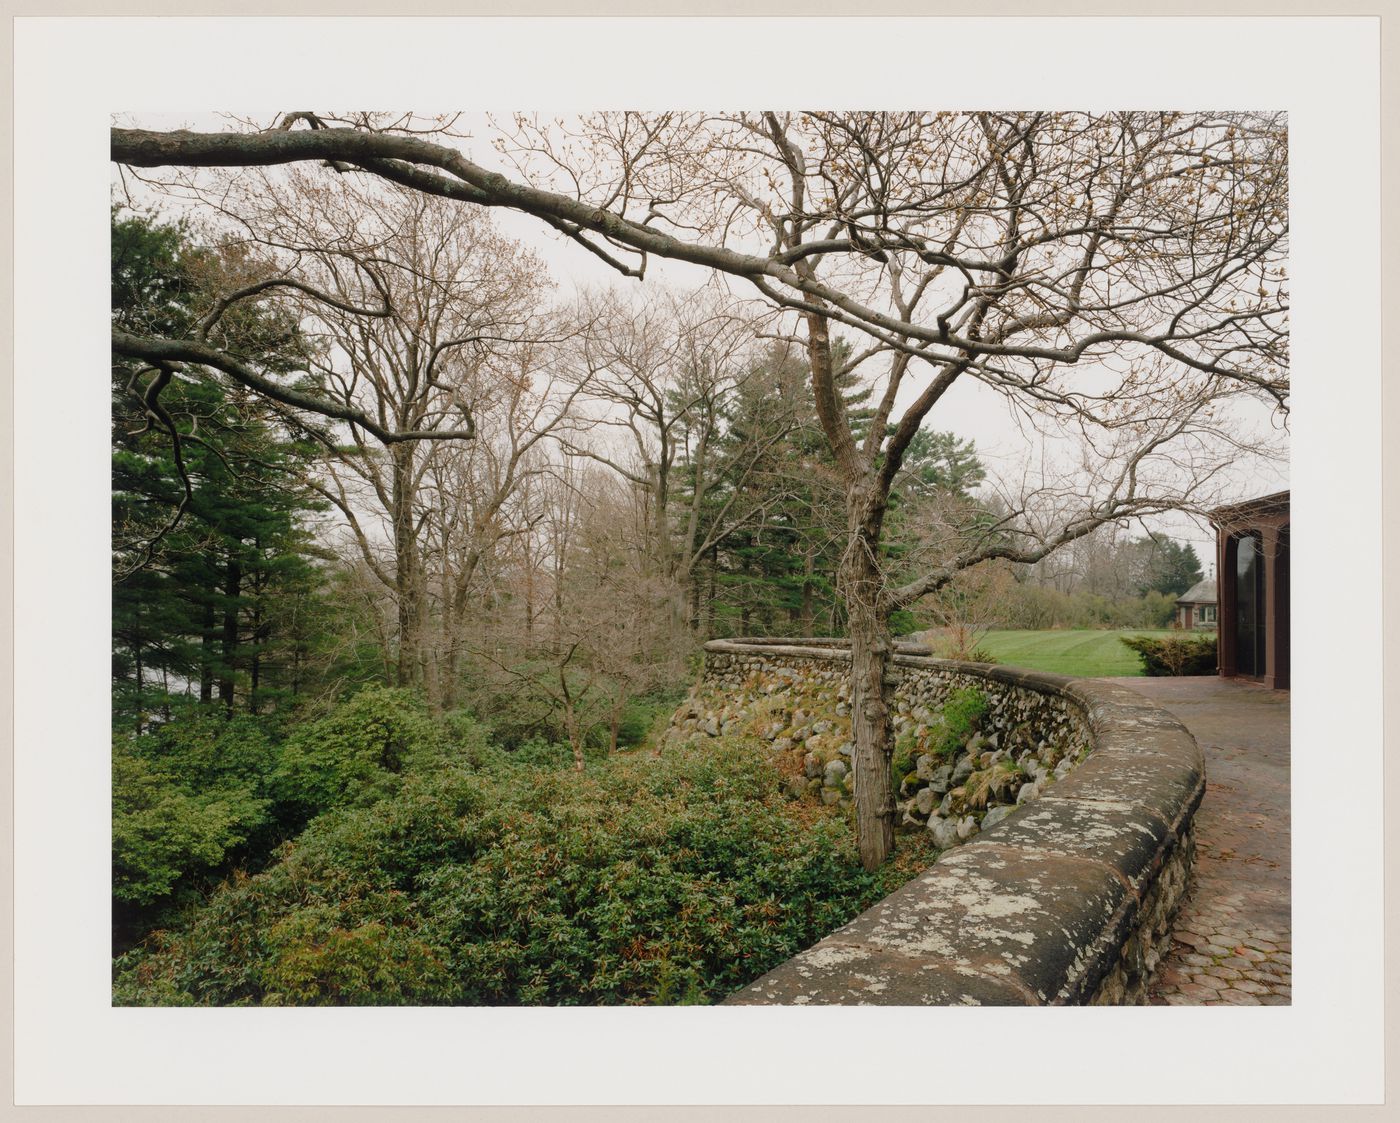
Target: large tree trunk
x=867 y=613
x=660 y=524
x=871 y=647
x=406 y=669
x=712 y=593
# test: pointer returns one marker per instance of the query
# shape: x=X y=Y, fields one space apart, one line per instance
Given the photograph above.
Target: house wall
x=1186 y=618
x=1272 y=526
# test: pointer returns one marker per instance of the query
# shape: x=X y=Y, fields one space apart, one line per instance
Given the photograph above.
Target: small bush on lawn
x=1175 y=655
x=642 y=880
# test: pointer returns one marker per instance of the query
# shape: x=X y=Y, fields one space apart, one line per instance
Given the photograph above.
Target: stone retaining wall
x=1064 y=881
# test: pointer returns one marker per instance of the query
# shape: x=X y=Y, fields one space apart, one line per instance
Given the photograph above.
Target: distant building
x=1252 y=563
x=1196 y=608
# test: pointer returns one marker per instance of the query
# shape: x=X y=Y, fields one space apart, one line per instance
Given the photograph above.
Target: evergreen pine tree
x=207 y=496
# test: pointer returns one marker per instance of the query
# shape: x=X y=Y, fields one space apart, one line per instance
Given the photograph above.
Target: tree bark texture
x=871 y=645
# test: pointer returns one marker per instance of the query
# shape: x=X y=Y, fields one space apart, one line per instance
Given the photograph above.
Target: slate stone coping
x=1037 y=909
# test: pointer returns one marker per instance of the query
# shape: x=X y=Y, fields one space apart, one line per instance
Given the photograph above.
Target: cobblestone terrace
x=1232 y=941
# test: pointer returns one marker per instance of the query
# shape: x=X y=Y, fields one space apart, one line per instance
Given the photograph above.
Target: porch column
x=1225 y=582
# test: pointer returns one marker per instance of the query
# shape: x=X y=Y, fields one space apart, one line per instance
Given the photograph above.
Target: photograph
x=659 y=557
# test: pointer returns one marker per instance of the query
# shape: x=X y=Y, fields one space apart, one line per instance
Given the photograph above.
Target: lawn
x=1080 y=652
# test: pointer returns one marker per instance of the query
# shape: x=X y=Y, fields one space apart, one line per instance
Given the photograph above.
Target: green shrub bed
x=476 y=878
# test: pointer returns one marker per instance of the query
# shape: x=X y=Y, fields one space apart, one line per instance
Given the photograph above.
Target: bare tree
x=477 y=498
x=423 y=319
x=611 y=633
x=621 y=608
x=1121 y=275
x=665 y=370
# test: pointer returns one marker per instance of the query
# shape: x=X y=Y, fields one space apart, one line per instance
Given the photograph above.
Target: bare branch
x=188 y=351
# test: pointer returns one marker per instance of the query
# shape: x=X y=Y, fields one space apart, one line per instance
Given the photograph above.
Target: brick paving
x=1231 y=944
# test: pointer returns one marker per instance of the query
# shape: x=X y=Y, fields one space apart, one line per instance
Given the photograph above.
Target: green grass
x=1082 y=652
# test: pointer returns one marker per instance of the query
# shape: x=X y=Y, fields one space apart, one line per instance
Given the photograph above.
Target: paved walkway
x=1232 y=940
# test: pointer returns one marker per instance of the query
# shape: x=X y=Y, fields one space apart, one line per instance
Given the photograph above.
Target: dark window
x=1249 y=605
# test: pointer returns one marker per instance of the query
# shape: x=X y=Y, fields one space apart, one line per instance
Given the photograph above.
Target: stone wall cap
x=1011 y=927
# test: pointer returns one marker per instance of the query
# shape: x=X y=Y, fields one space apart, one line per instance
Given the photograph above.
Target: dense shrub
x=902 y=622
x=642 y=880
x=527 y=713
x=204 y=746
x=185 y=796
x=1159 y=610
x=1175 y=654
x=516 y=716
x=203 y=791
x=644 y=712
x=162 y=832
x=357 y=753
x=467 y=742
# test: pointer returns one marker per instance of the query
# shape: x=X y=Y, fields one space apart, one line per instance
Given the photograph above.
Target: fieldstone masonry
x=1059 y=878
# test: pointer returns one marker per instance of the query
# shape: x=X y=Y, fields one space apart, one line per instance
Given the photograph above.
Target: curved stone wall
x=1065 y=899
